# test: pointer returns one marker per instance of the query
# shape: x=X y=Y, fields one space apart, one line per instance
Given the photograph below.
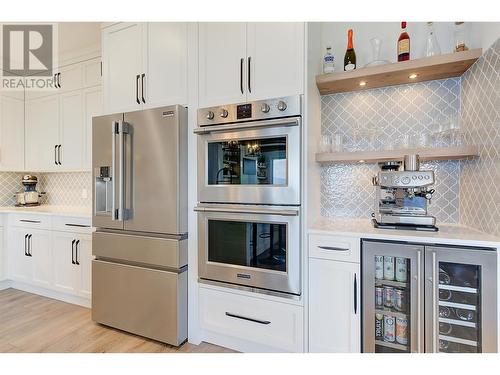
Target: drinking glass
x=337 y=142
x=325 y=143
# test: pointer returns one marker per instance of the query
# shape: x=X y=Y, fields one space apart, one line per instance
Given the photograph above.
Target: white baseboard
x=5 y=284
x=75 y=300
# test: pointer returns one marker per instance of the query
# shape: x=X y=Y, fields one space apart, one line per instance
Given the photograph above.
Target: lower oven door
x=252 y=246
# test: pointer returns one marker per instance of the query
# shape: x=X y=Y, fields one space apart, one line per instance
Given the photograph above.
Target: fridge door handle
x=355 y=294
x=123 y=128
x=114 y=131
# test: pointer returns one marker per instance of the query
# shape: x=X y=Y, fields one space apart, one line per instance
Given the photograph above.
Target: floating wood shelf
x=440 y=153
x=426 y=69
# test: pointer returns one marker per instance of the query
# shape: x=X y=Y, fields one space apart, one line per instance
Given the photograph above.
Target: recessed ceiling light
x=413 y=76
x=362 y=83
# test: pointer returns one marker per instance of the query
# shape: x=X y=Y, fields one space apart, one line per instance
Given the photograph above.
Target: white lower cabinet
x=30 y=255
x=71 y=257
x=271 y=325
x=51 y=253
x=334 y=306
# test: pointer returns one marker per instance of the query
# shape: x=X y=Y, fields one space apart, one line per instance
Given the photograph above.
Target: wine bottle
x=403 y=44
x=350 y=55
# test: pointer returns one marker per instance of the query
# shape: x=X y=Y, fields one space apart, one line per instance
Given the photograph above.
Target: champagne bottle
x=350 y=55
x=403 y=44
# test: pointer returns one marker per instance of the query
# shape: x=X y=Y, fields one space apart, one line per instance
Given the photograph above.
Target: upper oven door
x=254 y=162
x=254 y=246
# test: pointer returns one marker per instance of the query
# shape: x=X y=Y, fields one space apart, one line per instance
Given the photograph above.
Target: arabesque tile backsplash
x=467 y=192
x=62 y=189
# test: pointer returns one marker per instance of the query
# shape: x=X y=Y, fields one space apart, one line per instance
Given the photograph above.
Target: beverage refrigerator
x=419 y=298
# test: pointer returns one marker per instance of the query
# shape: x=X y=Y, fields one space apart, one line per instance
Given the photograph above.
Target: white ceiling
x=77 y=36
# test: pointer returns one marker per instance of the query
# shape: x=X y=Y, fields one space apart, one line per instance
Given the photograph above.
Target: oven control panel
x=251 y=111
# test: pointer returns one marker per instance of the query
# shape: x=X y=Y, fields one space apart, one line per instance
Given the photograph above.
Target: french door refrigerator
x=139 y=278
x=419 y=298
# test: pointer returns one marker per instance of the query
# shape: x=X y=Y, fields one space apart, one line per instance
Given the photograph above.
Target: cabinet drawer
x=30 y=221
x=332 y=247
x=272 y=324
x=72 y=224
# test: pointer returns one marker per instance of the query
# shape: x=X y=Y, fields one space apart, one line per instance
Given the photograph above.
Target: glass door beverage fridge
x=420 y=298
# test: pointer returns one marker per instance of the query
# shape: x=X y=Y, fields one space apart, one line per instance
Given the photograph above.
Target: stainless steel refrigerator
x=139 y=275
x=419 y=298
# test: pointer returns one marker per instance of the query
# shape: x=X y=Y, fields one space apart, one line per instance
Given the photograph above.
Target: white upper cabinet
x=222 y=63
x=11 y=133
x=165 y=80
x=275 y=59
x=42 y=133
x=144 y=65
x=250 y=61
x=72 y=127
x=122 y=66
x=92 y=104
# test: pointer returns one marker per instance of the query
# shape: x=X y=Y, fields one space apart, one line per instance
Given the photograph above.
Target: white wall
x=335 y=35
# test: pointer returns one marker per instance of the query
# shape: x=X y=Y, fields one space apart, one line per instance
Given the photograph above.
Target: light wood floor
x=32 y=323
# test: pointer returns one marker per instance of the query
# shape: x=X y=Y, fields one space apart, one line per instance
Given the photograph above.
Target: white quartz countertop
x=452 y=234
x=46 y=209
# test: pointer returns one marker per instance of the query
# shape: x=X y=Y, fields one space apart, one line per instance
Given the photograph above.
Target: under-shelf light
x=362 y=83
x=413 y=76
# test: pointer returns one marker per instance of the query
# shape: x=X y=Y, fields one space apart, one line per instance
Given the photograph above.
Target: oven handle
x=248 y=125
x=260 y=211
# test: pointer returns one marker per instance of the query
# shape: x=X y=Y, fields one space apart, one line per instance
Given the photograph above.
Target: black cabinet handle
x=30 y=221
x=249 y=74
x=58 y=75
x=30 y=254
x=355 y=294
x=25 y=245
x=77 y=225
x=241 y=74
x=142 y=87
x=265 y=322
x=333 y=248
x=73 y=252
x=76 y=252
x=137 y=77
x=55 y=154
x=59 y=154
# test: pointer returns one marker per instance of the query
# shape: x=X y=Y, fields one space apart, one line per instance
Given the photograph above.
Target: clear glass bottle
x=328 y=61
x=460 y=36
x=432 y=46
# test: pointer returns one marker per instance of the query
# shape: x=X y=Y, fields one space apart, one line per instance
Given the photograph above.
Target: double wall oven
x=249 y=193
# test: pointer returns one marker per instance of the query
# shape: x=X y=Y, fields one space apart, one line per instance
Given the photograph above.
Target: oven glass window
x=247 y=162
x=258 y=245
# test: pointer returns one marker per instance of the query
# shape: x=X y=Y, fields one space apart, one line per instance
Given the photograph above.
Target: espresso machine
x=402 y=195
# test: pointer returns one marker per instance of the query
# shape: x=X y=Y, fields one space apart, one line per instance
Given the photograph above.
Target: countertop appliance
x=139 y=275
x=30 y=196
x=419 y=298
x=249 y=189
x=402 y=196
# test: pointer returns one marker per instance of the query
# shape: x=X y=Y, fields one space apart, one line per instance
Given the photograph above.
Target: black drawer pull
x=333 y=248
x=77 y=225
x=30 y=221
x=265 y=322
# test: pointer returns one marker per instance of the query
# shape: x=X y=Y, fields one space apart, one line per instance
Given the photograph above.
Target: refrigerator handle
x=114 y=131
x=123 y=128
x=419 y=300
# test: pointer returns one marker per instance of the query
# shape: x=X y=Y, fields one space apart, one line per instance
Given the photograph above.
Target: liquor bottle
x=328 y=61
x=350 y=55
x=403 y=44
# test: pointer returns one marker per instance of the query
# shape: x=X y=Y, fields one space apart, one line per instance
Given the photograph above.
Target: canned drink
x=389 y=328
x=379 y=267
x=379 y=296
x=388 y=296
x=389 y=268
x=379 y=327
x=401 y=270
x=402 y=330
x=400 y=299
